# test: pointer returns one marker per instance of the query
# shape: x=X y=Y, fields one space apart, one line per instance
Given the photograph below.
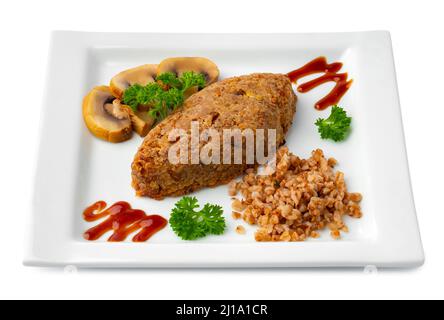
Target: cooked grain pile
x=299 y=199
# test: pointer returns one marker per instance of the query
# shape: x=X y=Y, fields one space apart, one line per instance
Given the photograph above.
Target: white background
x=418 y=40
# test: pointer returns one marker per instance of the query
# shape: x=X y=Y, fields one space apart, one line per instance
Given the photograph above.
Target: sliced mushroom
x=144 y=115
x=141 y=75
x=104 y=119
x=141 y=121
x=188 y=93
x=197 y=64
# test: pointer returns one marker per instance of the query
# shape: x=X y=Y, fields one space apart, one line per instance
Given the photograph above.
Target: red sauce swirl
x=320 y=65
x=123 y=220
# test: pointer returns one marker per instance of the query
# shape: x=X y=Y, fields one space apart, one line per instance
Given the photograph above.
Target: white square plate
x=75 y=169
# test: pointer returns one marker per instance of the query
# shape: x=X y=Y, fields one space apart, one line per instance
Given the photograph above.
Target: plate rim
x=83 y=40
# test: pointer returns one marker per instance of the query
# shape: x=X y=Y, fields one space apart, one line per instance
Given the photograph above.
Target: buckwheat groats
x=302 y=197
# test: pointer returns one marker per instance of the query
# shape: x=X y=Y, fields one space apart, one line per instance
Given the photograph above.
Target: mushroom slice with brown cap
x=104 y=119
x=197 y=64
x=141 y=120
x=141 y=75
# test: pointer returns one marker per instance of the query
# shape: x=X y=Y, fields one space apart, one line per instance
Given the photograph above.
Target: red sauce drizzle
x=317 y=65
x=123 y=220
x=320 y=65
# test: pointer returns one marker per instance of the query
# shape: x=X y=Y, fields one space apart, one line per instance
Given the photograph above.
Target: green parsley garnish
x=336 y=126
x=191 y=79
x=190 y=224
x=164 y=95
x=169 y=79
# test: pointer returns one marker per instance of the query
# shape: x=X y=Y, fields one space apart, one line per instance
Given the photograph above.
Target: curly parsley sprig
x=336 y=126
x=164 y=95
x=191 y=224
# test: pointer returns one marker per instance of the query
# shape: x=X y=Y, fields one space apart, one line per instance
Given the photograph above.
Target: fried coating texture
x=256 y=101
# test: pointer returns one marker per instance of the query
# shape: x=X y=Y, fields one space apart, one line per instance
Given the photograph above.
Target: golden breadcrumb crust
x=256 y=101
